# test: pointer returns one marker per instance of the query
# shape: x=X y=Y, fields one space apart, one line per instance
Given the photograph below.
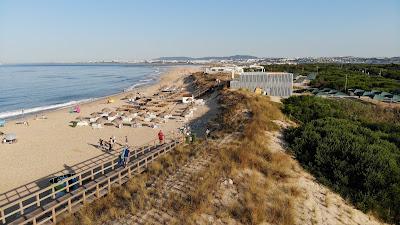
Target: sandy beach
x=50 y=145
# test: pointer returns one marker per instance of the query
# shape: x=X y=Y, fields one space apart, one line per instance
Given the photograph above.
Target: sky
x=94 y=30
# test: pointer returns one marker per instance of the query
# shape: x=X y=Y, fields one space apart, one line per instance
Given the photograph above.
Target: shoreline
x=81 y=102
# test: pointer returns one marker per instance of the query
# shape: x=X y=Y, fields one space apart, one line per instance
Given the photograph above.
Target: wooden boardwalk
x=44 y=205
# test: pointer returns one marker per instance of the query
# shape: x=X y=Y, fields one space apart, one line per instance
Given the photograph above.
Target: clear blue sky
x=80 y=30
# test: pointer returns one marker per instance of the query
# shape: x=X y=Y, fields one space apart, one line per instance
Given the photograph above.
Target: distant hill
x=185 y=58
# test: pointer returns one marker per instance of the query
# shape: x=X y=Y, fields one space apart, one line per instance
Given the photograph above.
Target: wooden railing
x=48 y=194
x=96 y=189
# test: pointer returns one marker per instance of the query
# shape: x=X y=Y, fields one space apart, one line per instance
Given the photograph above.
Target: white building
x=272 y=83
x=224 y=69
x=256 y=68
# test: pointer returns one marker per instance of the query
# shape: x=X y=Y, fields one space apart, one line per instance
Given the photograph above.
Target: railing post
x=92 y=174
x=21 y=208
x=69 y=205
x=3 y=218
x=37 y=200
x=109 y=185
x=84 y=197
x=52 y=192
x=129 y=172
x=53 y=214
x=102 y=168
x=97 y=191
x=34 y=221
x=80 y=179
x=119 y=178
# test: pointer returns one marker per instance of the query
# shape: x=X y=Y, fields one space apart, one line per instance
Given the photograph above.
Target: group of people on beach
x=103 y=144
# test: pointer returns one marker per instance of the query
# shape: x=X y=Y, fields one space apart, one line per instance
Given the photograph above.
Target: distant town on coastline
x=261 y=60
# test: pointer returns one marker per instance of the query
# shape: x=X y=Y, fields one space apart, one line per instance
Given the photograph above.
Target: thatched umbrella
x=106 y=110
x=162 y=115
x=94 y=114
x=139 y=118
x=136 y=120
x=117 y=121
x=126 y=114
x=112 y=114
x=101 y=120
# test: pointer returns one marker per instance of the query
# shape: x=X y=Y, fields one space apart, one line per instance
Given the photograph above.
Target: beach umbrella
x=126 y=114
x=156 y=120
x=112 y=114
x=136 y=120
x=106 y=110
x=117 y=121
x=94 y=114
x=101 y=120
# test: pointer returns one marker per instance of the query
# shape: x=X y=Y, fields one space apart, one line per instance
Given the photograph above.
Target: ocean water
x=34 y=88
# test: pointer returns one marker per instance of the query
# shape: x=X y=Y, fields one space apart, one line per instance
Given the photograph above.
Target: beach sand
x=50 y=145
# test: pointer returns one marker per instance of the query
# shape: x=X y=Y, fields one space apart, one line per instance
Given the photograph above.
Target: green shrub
x=340 y=142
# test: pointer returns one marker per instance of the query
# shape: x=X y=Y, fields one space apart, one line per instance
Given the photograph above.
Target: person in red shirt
x=161 y=137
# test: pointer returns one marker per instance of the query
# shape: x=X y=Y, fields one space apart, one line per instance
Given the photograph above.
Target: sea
x=28 y=89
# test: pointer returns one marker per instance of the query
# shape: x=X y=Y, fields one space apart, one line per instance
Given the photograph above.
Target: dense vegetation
x=362 y=76
x=352 y=147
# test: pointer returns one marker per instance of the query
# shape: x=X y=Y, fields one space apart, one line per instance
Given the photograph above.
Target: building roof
x=369 y=93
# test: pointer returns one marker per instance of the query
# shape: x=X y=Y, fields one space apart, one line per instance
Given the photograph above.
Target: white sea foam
x=139 y=83
x=17 y=113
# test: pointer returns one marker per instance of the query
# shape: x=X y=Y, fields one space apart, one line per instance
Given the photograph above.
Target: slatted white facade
x=274 y=83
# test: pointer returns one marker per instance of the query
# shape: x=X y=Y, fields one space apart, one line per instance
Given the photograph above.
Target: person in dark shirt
x=126 y=156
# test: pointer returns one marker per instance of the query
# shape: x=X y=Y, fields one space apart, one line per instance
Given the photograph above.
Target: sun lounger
x=82 y=123
x=96 y=126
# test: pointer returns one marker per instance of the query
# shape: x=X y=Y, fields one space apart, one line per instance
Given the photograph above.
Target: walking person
x=126 y=156
x=101 y=143
x=110 y=147
x=161 y=137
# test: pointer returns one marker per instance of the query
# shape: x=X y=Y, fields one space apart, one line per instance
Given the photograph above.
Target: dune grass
x=258 y=173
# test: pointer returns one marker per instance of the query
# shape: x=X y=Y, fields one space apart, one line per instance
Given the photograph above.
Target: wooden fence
x=49 y=194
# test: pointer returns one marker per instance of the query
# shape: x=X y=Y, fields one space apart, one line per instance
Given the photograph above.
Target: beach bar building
x=272 y=83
